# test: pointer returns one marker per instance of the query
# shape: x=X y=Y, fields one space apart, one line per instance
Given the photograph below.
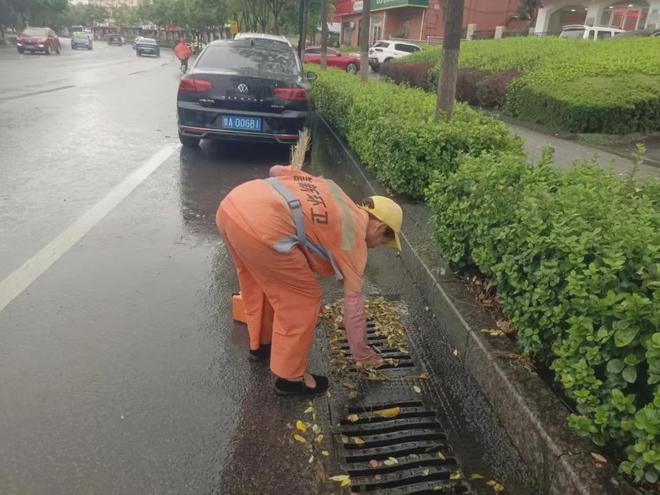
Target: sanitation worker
x=280 y=232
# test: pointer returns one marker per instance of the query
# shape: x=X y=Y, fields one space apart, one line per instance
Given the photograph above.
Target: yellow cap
x=388 y=212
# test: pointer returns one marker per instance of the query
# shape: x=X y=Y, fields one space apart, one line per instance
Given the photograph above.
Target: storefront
x=421 y=20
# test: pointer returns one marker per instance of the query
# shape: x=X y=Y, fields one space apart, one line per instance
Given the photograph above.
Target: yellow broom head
x=300 y=149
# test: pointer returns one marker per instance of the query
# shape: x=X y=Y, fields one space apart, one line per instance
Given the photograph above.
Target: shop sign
x=391 y=4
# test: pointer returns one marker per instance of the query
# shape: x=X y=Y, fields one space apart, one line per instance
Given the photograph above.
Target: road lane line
x=25 y=95
x=21 y=278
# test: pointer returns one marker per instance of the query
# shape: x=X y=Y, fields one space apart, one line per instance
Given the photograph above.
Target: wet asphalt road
x=120 y=369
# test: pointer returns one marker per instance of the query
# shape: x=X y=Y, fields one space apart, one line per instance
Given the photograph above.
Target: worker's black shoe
x=260 y=354
x=288 y=387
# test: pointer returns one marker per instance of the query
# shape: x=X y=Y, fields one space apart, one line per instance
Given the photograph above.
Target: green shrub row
x=574 y=254
x=575 y=257
x=582 y=86
x=393 y=131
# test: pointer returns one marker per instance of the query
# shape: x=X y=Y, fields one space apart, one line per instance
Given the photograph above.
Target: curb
x=532 y=415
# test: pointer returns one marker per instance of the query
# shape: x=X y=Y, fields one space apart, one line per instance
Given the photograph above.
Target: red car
x=349 y=63
x=38 y=39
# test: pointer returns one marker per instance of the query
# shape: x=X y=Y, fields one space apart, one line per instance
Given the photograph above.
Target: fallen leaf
x=456 y=475
x=340 y=477
x=375 y=463
x=349 y=385
x=309 y=410
x=352 y=394
x=346 y=482
x=441 y=456
x=426 y=472
x=345 y=439
x=476 y=476
x=299 y=438
x=378 y=477
x=315 y=428
x=392 y=412
x=417 y=389
x=300 y=426
x=319 y=438
x=390 y=461
x=311 y=459
x=358 y=441
x=352 y=418
x=325 y=453
x=455 y=353
x=423 y=375
x=598 y=457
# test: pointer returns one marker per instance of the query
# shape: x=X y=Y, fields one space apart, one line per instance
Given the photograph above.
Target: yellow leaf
x=325 y=453
x=315 y=428
x=300 y=426
x=456 y=475
x=392 y=412
x=598 y=457
x=358 y=441
x=299 y=438
x=340 y=477
x=346 y=482
x=319 y=438
x=423 y=375
x=455 y=353
x=491 y=483
x=390 y=461
x=426 y=472
x=417 y=389
x=309 y=410
x=311 y=459
x=476 y=476
x=441 y=456
x=353 y=418
x=498 y=488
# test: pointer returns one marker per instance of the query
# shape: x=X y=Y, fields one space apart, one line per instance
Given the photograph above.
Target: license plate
x=29 y=46
x=238 y=123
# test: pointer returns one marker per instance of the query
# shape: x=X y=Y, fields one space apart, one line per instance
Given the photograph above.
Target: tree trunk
x=364 y=41
x=276 y=20
x=324 y=34
x=306 y=23
x=450 y=50
x=301 y=28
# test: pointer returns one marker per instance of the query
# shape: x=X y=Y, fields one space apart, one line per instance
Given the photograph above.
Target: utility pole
x=302 y=14
x=451 y=46
x=364 y=41
x=324 y=34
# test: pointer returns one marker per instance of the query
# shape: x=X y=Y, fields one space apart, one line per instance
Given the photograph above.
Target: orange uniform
x=276 y=273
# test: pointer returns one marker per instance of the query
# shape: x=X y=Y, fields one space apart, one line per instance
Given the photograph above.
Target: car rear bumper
x=199 y=121
x=209 y=133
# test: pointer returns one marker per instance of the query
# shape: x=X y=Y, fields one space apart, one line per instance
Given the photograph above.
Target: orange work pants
x=281 y=295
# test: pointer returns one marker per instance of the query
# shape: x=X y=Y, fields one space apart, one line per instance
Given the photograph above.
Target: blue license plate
x=239 y=123
x=29 y=47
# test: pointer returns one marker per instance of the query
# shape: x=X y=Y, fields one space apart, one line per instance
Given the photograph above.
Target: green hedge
x=575 y=257
x=583 y=86
x=393 y=131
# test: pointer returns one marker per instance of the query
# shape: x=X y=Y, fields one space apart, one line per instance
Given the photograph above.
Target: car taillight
x=194 y=85
x=291 y=94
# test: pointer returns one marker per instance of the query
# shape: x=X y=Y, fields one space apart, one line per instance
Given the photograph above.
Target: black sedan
x=247 y=90
x=147 y=46
x=115 y=39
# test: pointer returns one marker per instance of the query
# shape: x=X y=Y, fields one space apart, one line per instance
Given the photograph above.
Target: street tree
x=364 y=40
x=324 y=34
x=451 y=46
x=276 y=7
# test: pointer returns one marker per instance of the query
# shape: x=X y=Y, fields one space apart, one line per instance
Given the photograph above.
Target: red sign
x=343 y=7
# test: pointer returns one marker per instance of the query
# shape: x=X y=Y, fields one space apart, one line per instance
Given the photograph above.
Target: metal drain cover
x=406 y=454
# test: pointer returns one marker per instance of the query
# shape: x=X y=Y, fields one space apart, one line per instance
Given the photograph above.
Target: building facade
x=421 y=20
x=629 y=15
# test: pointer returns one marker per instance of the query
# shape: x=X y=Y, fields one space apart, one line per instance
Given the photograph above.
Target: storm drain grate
x=403 y=455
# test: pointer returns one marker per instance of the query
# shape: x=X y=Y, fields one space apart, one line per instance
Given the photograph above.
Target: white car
x=580 y=32
x=384 y=51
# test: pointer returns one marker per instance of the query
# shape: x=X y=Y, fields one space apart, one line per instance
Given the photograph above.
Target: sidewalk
x=567 y=151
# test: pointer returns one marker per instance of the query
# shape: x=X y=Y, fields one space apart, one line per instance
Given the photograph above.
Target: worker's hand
x=374 y=361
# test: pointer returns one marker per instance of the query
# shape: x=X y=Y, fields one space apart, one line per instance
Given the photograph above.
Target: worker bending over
x=283 y=230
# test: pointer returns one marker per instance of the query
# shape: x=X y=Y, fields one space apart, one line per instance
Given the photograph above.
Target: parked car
x=246 y=89
x=115 y=39
x=580 y=32
x=147 y=46
x=349 y=63
x=384 y=51
x=35 y=39
x=81 y=40
x=263 y=36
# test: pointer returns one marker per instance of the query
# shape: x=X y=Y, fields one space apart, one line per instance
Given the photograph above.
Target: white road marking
x=21 y=278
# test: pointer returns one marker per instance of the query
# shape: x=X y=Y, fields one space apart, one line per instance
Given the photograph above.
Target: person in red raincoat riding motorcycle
x=183 y=53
